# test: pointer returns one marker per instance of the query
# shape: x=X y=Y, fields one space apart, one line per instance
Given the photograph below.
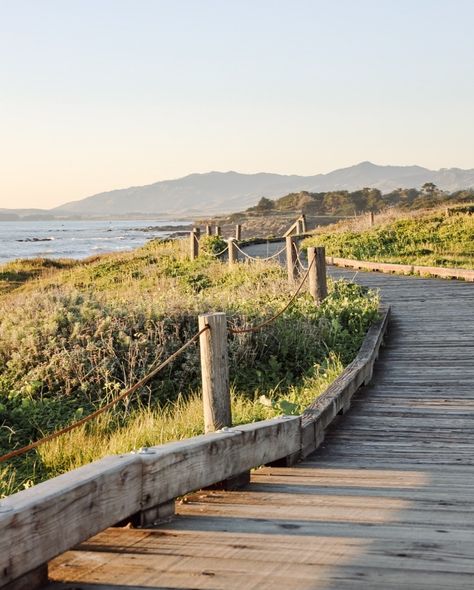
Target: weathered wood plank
x=207 y=459
x=337 y=398
x=252 y=559
x=39 y=523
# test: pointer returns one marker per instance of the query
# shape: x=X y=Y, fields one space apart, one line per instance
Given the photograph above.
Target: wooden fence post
x=291 y=259
x=194 y=243
x=218 y=230
x=232 y=251
x=215 y=371
x=303 y=224
x=238 y=232
x=208 y=230
x=317 y=274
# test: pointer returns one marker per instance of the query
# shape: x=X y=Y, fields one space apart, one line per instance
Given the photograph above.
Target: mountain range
x=225 y=192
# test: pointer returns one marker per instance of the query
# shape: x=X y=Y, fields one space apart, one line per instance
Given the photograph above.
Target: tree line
x=346 y=203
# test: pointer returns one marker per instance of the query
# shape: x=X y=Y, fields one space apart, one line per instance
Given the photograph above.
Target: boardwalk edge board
x=337 y=397
x=410 y=269
x=40 y=523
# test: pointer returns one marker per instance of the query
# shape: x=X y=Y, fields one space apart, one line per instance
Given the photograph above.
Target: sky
x=104 y=94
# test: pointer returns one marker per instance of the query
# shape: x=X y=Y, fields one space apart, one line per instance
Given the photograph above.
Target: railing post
x=317 y=274
x=232 y=251
x=303 y=224
x=208 y=230
x=217 y=230
x=291 y=259
x=215 y=371
x=194 y=243
x=238 y=232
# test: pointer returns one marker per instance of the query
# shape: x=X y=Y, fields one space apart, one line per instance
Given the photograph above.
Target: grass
x=426 y=239
x=16 y=273
x=73 y=338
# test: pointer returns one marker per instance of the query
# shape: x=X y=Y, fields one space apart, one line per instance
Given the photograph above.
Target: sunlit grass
x=425 y=239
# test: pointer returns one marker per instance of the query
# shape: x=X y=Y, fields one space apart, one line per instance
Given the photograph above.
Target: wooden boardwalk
x=385 y=503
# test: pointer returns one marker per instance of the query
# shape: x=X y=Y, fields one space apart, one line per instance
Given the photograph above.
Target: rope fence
x=257 y=258
x=221 y=252
x=213 y=363
x=276 y=316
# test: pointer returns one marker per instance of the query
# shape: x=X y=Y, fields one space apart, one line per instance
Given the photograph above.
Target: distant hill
x=222 y=192
x=213 y=192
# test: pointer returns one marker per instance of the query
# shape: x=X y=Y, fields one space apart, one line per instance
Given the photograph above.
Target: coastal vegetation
x=272 y=217
x=74 y=335
x=428 y=239
x=346 y=203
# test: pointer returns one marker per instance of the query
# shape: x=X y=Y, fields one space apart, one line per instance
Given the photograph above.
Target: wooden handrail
x=434 y=271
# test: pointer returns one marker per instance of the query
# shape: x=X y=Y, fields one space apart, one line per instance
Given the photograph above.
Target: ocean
x=77 y=239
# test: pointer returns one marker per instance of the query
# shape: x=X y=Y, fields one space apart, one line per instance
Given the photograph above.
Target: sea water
x=76 y=239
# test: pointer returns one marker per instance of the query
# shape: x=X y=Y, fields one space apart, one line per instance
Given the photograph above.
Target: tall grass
x=72 y=340
x=429 y=239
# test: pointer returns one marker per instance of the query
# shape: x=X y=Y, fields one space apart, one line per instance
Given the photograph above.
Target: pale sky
x=104 y=94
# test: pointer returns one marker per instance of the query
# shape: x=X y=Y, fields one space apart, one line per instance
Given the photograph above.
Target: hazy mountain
x=218 y=192
x=213 y=192
x=221 y=192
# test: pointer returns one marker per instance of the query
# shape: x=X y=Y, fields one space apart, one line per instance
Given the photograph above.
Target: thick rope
x=222 y=251
x=258 y=259
x=282 y=311
x=301 y=265
x=298 y=261
x=274 y=255
x=103 y=409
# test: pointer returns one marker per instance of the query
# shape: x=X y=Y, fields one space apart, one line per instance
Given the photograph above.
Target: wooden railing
x=432 y=271
x=39 y=523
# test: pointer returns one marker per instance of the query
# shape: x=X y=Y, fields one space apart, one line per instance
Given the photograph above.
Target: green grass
x=429 y=240
x=72 y=339
x=16 y=273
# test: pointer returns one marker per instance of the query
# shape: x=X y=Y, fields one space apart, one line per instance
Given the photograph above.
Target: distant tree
x=338 y=203
x=367 y=199
x=265 y=204
x=430 y=189
x=402 y=197
x=373 y=199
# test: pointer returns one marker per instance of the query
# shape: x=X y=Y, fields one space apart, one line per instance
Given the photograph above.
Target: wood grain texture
x=291 y=258
x=232 y=258
x=175 y=469
x=41 y=522
x=317 y=274
x=215 y=371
